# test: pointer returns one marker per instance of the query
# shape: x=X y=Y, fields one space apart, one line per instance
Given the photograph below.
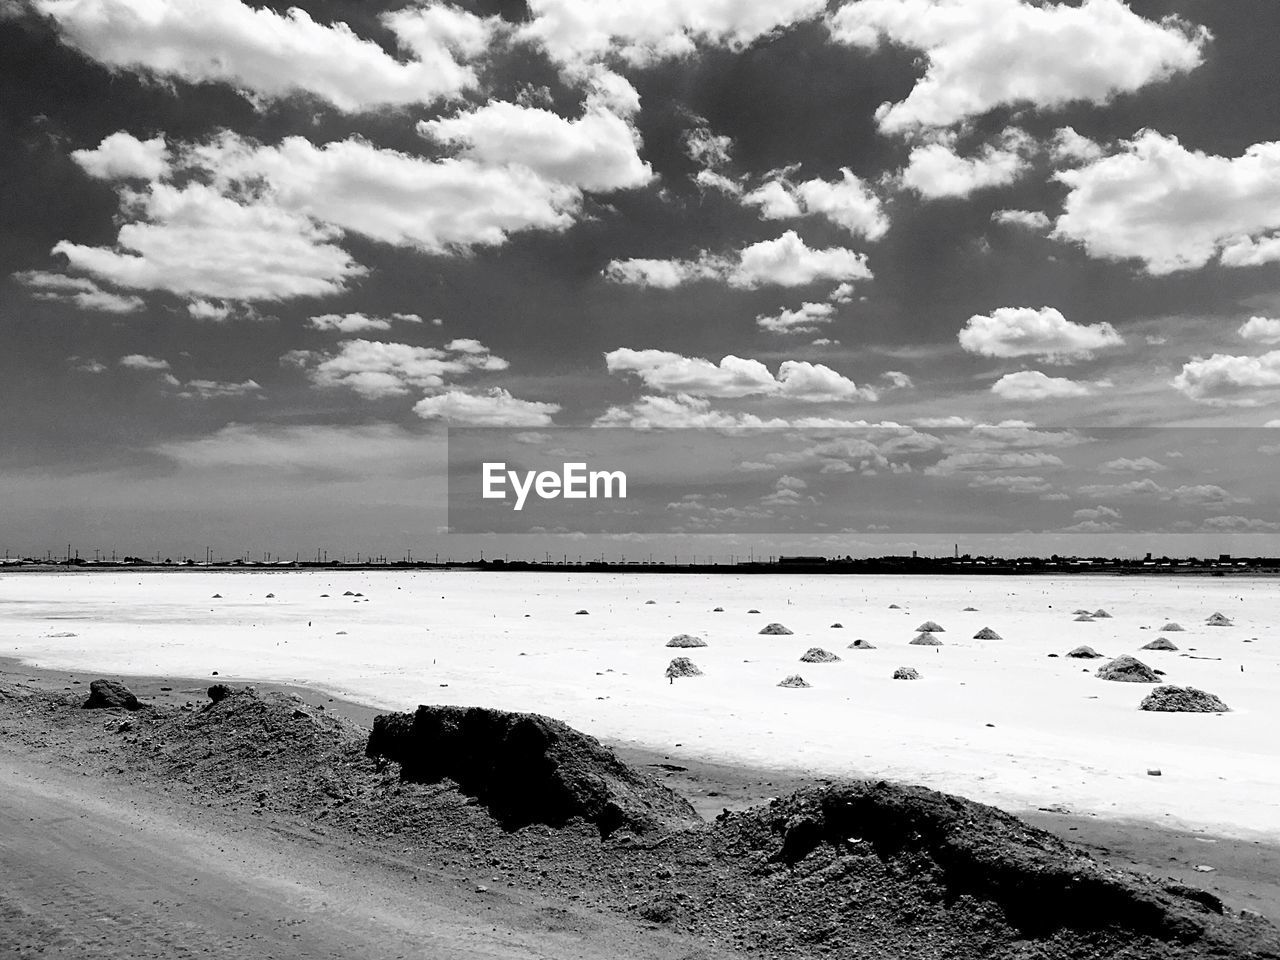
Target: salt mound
x=818 y=655
x=650 y=602
x=526 y=768
x=107 y=694
x=1171 y=627
x=970 y=609
x=1218 y=620
x=1182 y=700
x=753 y=610
x=1159 y=643
x=580 y=613
x=929 y=627
x=837 y=626
x=1101 y=614
x=795 y=680
x=216 y=596
x=682 y=667
x=1084 y=618
x=894 y=606
x=906 y=673
x=718 y=610
x=986 y=633
x=776 y=629
x=686 y=640
x=347 y=593
x=861 y=644
x=1127 y=669
x=926 y=640
x=271 y=596
x=1084 y=653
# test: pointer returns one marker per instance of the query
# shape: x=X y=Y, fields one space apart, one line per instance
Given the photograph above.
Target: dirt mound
x=1084 y=618
x=1218 y=620
x=109 y=694
x=906 y=673
x=682 y=667
x=861 y=644
x=986 y=633
x=1127 y=669
x=894 y=606
x=929 y=626
x=718 y=610
x=1171 y=699
x=926 y=640
x=775 y=629
x=837 y=626
x=795 y=680
x=1171 y=627
x=686 y=640
x=1084 y=653
x=219 y=692
x=580 y=613
x=968 y=866
x=818 y=655
x=1101 y=614
x=1160 y=643
x=526 y=768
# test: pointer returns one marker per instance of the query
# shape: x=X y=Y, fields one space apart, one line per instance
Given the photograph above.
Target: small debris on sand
x=1084 y=653
x=1218 y=620
x=775 y=629
x=818 y=655
x=929 y=626
x=1159 y=643
x=1171 y=627
x=986 y=633
x=1171 y=699
x=861 y=644
x=682 y=667
x=926 y=640
x=1127 y=669
x=686 y=640
x=108 y=694
x=906 y=673
x=795 y=681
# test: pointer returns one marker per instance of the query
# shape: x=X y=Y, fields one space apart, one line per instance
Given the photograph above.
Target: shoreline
x=1245 y=873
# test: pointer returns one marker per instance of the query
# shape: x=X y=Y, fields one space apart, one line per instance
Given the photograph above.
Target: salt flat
x=995 y=720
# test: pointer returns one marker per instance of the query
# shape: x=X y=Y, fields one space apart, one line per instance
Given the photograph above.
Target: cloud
x=1263 y=329
x=1204 y=495
x=935 y=170
x=1238 y=524
x=497 y=408
x=354 y=451
x=140 y=361
x=78 y=291
x=87 y=365
x=1105 y=491
x=208 y=310
x=1069 y=147
x=981 y=54
x=680 y=412
x=847 y=202
x=1030 y=219
x=1028 y=332
x=1172 y=208
x=707 y=148
x=786 y=261
x=1010 y=484
x=218 y=389
x=734 y=377
x=1034 y=385
x=1096 y=513
x=122 y=156
x=376 y=370
x=1230 y=381
x=266 y=55
x=359 y=322
x=1124 y=465
x=578 y=32
x=804 y=319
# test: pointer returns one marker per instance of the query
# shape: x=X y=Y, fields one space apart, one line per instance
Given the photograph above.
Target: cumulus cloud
x=680 y=412
x=496 y=408
x=1104 y=491
x=1069 y=147
x=1172 y=208
x=140 y=361
x=358 y=322
x=1223 y=380
x=1034 y=385
x=848 y=202
x=804 y=319
x=267 y=55
x=1263 y=329
x=78 y=291
x=786 y=261
x=734 y=377
x=1237 y=524
x=1030 y=219
x=1029 y=332
x=982 y=460
x=1124 y=465
x=376 y=370
x=218 y=389
x=208 y=310
x=122 y=156
x=981 y=54
x=936 y=170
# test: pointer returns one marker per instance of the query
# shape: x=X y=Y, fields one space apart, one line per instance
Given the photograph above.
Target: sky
x=256 y=261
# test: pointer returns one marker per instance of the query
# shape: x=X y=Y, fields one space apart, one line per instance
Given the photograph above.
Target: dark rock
x=1170 y=699
x=906 y=673
x=1159 y=643
x=818 y=655
x=795 y=681
x=219 y=692
x=526 y=768
x=686 y=640
x=775 y=629
x=108 y=694
x=1127 y=669
x=682 y=667
x=1084 y=653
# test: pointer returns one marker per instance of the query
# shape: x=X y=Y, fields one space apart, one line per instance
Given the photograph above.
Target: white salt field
x=997 y=720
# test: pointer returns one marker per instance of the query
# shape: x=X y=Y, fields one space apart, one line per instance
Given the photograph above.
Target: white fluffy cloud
x=376 y=370
x=982 y=54
x=786 y=261
x=1172 y=208
x=1231 y=381
x=140 y=361
x=847 y=202
x=269 y=55
x=734 y=377
x=1034 y=385
x=496 y=408
x=1124 y=465
x=218 y=389
x=804 y=319
x=358 y=322
x=1030 y=219
x=680 y=412
x=122 y=156
x=78 y=291
x=1263 y=329
x=935 y=170
x=1030 y=332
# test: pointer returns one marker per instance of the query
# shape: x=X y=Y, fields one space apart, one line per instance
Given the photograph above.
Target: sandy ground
x=997 y=720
